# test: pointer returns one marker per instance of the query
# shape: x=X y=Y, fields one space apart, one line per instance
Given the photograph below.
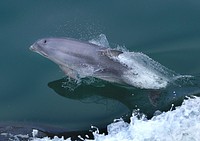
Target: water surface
x=168 y=32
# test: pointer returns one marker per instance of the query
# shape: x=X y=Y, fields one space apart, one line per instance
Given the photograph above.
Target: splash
x=180 y=124
x=101 y=40
x=183 y=123
x=144 y=72
x=71 y=84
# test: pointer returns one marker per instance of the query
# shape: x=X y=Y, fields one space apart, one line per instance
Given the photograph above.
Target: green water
x=167 y=31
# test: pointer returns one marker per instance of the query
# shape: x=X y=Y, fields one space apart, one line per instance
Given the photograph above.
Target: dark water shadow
x=147 y=100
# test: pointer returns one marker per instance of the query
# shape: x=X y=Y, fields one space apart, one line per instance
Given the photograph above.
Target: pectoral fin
x=108 y=77
x=69 y=72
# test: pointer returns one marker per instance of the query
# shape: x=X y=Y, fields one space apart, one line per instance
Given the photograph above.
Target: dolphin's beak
x=37 y=48
x=32 y=48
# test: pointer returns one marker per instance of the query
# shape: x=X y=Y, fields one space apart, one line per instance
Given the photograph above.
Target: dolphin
x=79 y=59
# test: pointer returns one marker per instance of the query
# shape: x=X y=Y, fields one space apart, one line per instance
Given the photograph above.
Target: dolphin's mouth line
x=42 y=53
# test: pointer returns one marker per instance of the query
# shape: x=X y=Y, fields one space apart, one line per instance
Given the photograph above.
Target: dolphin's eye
x=45 y=41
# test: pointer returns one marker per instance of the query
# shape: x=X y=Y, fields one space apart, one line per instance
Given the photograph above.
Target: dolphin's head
x=62 y=51
x=41 y=47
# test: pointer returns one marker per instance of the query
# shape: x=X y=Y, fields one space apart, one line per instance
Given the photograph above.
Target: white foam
x=49 y=139
x=144 y=72
x=181 y=124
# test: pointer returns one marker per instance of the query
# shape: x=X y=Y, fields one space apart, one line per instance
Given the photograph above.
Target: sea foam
x=181 y=124
x=144 y=72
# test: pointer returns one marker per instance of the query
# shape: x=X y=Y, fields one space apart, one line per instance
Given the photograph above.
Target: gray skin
x=75 y=57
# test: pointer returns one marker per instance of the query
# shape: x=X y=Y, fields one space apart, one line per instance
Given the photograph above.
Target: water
x=31 y=92
x=177 y=125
